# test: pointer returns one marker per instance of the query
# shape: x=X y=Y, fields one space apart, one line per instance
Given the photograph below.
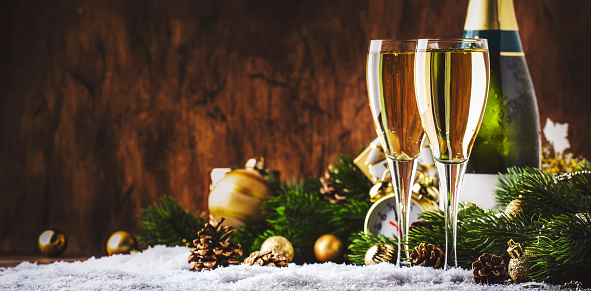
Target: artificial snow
x=166 y=268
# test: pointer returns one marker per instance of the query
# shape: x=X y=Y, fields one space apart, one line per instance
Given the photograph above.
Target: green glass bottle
x=510 y=131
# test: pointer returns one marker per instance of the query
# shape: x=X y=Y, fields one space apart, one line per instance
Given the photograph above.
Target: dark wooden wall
x=107 y=105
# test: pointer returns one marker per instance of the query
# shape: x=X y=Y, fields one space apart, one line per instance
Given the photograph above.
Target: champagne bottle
x=510 y=131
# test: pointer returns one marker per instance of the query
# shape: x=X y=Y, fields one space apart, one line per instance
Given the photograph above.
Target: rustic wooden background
x=107 y=105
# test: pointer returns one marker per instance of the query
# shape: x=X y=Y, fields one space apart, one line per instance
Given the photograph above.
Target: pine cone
x=489 y=269
x=212 y=248
x=427 y=255
x=328 y=191
x=266 y=258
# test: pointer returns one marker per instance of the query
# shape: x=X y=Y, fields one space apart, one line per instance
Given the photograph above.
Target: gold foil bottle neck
x=491 y=15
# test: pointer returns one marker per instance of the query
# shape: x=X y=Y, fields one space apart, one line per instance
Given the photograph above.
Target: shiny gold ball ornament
x=379 y=253
x=514 y=208
x=329 y=248
x=238 y=197
x=52 y=243
x=278 y=245
x=121 y=242
x=519 y=268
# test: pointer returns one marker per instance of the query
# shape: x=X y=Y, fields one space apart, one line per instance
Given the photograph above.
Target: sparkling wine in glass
x=451 y=82
x=390 y=84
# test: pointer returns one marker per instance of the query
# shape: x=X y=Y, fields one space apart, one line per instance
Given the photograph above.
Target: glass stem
x=450 y=182
x=403 y=173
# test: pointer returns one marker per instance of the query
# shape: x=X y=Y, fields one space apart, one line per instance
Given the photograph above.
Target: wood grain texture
x=107 y=105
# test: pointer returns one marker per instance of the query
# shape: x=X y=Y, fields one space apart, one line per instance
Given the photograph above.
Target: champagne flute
x=451 y=82
x=390 y=84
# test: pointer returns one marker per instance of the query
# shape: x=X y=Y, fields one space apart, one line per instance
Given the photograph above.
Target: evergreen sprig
x=556 y=229
x=298 y=212
x=474 y=235
x=563 y=251
x=547 y=194
x=349 y=179
x=169 y=223
x=348 y=216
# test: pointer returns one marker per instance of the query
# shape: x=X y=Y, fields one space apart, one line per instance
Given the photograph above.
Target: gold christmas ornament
x=568 y=176
x=563 y=162
x=278 y=245
x=379 y=253
x=519 y=269
x=329 y=248
x=424 y=191
x=514 y=208
x=238 y=196
x=121 y=242
x=52 y=243
x=519 y=265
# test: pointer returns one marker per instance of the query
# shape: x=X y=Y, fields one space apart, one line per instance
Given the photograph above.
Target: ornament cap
x=515 y=250
x=256 y=164
x=380 y=190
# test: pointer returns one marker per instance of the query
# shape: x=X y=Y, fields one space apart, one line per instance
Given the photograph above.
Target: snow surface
x=166 y=268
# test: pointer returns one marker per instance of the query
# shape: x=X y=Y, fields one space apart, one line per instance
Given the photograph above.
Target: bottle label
x=505 y=42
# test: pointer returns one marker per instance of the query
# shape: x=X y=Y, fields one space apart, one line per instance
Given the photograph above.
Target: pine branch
x=348 y=216
x=491 y=232
x=542 y=192
x=563 y=251
x=479 y=231
x=361 y=242
x=298 y=213
x=349 y=179
x=518 y=182
x=558 y=237
x=167 y=222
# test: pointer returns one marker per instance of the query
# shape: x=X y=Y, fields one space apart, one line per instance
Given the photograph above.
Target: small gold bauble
x=121 y=242
x=329 y=248
x=278 y=245
x=519 y=268
x=514 y=208
x=379 y=253
x=52 y=243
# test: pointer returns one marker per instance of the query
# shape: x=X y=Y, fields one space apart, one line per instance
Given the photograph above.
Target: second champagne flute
x=451 y=81
x=390 y=84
